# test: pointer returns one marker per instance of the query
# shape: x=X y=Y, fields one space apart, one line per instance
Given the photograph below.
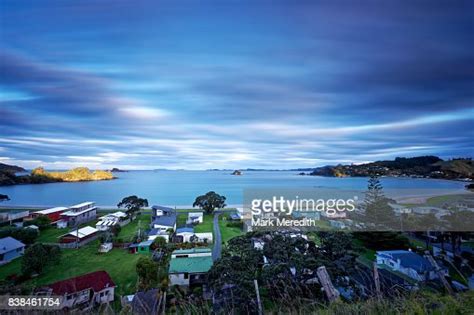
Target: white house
x=189 y=266
x=187 y=234
x=195 y=217
x=154 y=233
x=107 y=221
x=407 y=262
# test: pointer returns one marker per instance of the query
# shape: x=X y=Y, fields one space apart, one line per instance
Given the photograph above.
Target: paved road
x=216 y=251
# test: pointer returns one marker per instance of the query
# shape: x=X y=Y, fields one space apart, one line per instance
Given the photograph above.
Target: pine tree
x=377 y=209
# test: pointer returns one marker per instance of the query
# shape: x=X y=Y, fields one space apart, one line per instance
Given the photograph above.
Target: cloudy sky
x=143 y=85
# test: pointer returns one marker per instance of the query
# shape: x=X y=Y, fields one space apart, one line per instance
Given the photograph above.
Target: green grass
x=228 y=232
x=206 y=225
x=74 y=262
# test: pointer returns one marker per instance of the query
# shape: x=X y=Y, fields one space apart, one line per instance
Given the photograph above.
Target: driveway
x=216 y=251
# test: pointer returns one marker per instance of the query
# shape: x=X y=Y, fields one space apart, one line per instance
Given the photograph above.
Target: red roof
x=96 y=281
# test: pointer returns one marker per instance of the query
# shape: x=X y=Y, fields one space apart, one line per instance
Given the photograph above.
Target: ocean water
x=180 y=188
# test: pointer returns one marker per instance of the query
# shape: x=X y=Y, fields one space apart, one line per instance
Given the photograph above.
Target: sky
x=234 y=84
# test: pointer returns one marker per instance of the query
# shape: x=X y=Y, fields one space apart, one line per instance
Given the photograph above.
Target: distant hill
x=11 y=168
x=40 y=176
x=421 y=166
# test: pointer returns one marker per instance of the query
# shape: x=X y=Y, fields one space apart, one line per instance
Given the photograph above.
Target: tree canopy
x=38 y=256
x=133 y=204
x=210 y=201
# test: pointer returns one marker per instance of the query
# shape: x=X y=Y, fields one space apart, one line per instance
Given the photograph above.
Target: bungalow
x=107 y=221
x=85 y=291
x=14 y=216
x=164 y=222
x=407 y=262
x=78 y=214
x=189 y=267
x=10 y=249
x=154 y=233
x=158 y=211
x=144 y=247
x=54 y=214
x=195 y=217
x=187 y=235
x=81 y=236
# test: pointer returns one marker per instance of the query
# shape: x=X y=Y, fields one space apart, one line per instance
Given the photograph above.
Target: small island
x=41 y=176
x=237 y=173
x=117 y=170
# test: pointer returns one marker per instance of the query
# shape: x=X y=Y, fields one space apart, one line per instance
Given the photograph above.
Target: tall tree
x=133 y=204
x=39 y=256
x=210 y=201
x=377 y=209
x=147 y=271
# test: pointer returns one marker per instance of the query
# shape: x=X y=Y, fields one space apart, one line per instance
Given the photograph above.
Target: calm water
x=182 y=187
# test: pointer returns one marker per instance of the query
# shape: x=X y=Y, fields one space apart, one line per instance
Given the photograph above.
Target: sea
x=180 y=188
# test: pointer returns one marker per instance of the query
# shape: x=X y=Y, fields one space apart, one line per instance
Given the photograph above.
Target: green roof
x=191 y=251
x=190 y=264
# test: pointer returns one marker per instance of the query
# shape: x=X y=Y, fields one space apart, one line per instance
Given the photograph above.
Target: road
x=216 y=251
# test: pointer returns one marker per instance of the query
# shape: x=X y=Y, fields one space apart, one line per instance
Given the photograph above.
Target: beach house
x=79 y=237
x=10 y=249
x=189 y=267
x=107 y=221
x=187 y=234
x=407 y=262
x=85 y=291
x=164 y=222
x=54 y=214
x=78 y=214
x=158 y=211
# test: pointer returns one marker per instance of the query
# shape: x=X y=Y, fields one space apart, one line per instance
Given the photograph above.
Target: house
x=144 y=247
x=195 y=218
x=154 y=233
x=54 y=214
x=187 y=235
x=407 y=262
x=165 y=222
x=85 y=291
x=107 y=221
x=189 y=267
x=81 y=236
x=183 y=235
x=10 y=249
x=158 y=211
x=14 y=216
x=78 y=214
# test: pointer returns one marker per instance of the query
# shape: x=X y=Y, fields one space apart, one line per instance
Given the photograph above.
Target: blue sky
x=234 y=84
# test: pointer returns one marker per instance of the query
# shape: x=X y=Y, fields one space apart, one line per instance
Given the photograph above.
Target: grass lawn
x=206 y=225
x=228 y=232
x=74 y=262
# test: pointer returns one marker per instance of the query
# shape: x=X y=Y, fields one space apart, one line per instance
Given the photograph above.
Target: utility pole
x=259 y=303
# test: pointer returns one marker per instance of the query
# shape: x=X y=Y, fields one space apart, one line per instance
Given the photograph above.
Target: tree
x=115 y=229
x=132 y=204
x=42 y=222
x=377 y=209
x=210 y=201
x=159 y=242
x=147 y=271
x=27 y=236
x=38 y=256
x=4 y=198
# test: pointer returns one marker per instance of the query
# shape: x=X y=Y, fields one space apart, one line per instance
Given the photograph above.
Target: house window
x=186 y=275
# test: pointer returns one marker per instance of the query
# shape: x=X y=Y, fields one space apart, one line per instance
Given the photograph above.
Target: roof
x=185 y=230
x=197 y=264
x=51 y=210
x=164 y=209
x=157 y=232
x=118 y=214
x=8 y=244
x=85 y=231
x=408 y=259
x=97 y=281
x=195 y=214
x=166 y=220
x=191 y=251
x=146 y=243
x=80 y=205
x=72 y=213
